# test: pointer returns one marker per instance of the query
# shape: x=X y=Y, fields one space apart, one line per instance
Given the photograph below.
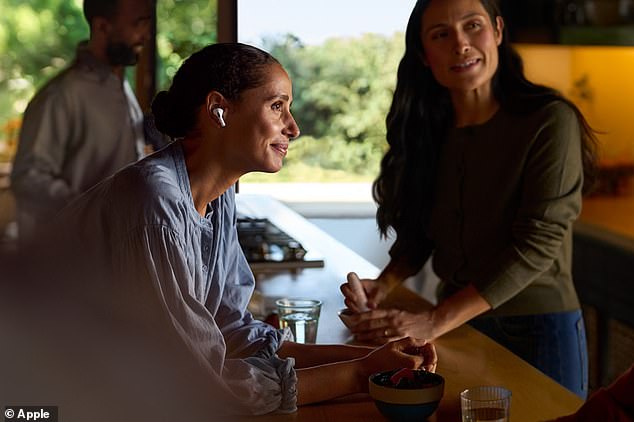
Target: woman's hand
x=405 y=353
x=384 y=325
x=363 y=294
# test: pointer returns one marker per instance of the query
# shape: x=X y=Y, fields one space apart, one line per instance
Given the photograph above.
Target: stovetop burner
x=266 y=246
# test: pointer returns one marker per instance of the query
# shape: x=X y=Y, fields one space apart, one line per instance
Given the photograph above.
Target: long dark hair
x=420 y=114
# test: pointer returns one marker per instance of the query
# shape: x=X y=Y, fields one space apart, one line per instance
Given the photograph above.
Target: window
x=38 y=39
x=342 y=58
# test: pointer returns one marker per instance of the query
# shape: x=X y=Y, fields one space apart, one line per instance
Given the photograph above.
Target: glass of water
x=301 y=316
x=485 y=403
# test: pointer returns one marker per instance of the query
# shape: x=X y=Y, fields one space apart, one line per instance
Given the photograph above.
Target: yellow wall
x=600 y=80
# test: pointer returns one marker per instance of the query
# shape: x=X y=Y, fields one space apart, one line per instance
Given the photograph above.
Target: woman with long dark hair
x=484 y=173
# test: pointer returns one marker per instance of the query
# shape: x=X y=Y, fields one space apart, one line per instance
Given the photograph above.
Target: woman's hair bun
x=165 y=119
x=228 y=68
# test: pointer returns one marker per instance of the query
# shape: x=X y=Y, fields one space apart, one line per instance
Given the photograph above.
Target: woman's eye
x=473 y=25
x=438 y=35
x=277 y=106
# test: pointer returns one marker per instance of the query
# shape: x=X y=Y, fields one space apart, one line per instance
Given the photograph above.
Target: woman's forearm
x=396 y=271
x=457 y=309
x=324 y=382
x=307 y=355
x=329 y=381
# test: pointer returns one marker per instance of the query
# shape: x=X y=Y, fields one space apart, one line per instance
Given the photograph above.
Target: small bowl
x=407 y=404
x=344 y=315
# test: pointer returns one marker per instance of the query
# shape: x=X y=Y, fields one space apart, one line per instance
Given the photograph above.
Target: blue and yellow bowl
x=407 y=404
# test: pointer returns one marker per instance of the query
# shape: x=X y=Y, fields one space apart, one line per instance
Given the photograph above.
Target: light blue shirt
x=142 y=225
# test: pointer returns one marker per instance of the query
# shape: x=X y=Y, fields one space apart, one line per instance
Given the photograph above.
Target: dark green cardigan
x=507 y=194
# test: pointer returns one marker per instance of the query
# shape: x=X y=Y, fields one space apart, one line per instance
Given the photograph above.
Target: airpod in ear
x=218 y=112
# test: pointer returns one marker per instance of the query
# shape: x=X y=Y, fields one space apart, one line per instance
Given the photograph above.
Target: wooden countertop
x=466 y=357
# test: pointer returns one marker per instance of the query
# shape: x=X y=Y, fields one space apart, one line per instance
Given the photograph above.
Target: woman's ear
x=499 y=29
x=216 y=106
x=215 y=98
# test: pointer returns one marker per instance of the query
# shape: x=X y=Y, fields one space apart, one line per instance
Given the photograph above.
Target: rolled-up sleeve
x=266 y=384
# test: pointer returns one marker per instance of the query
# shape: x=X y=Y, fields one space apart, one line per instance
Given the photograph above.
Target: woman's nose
x=462 y=45
x=292 y=129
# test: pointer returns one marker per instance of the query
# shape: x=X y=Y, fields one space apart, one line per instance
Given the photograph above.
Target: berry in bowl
x=406 y=394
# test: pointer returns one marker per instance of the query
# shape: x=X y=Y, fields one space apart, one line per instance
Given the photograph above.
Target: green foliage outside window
x=184 y=26
x=342 y=88
x=38 y=39
x=342 y=92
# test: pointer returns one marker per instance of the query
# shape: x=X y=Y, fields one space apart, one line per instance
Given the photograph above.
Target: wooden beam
x=227 y=21
x=146 y=68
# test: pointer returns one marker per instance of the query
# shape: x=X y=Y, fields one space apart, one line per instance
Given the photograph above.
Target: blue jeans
x=553 y=343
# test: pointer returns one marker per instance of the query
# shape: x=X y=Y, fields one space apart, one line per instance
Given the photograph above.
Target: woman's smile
x=465 y=65
x=281 y=148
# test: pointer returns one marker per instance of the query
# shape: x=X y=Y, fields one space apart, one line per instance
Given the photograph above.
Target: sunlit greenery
x=342 y=88
x=184 y=26
x=342 y=92
x=38 y=39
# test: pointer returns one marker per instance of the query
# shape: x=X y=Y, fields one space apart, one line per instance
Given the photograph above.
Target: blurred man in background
x=86 y=122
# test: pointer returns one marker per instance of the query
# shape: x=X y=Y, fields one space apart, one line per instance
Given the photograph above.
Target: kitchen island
x=466 y=357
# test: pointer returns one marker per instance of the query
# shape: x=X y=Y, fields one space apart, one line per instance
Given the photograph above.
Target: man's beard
x=121 y=54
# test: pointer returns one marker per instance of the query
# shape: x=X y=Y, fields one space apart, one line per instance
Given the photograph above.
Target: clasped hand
x=381 y=325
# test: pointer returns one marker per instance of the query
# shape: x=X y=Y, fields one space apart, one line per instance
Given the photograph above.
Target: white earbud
x=218 y=112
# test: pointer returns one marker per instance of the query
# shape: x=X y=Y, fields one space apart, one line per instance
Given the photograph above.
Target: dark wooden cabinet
x=570 y=22
x=603 y=271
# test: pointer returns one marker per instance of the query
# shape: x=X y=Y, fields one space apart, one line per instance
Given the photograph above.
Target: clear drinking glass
x=485 y=403
x=301 y=316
